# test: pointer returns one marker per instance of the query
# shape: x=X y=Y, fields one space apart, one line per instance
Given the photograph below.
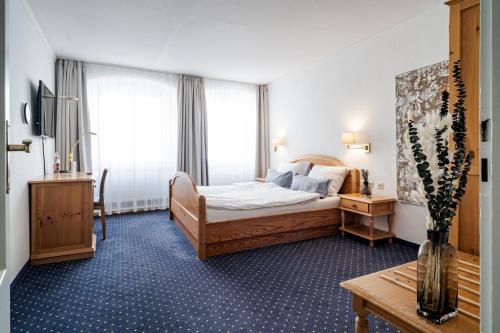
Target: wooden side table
x=375 y=206
x=391 y=295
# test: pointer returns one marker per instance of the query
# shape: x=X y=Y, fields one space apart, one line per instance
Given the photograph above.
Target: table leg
x=371 y=222
x=361 y=315
x=389 y=226
x=342 y=218
x=362 y=324
x=170 y=214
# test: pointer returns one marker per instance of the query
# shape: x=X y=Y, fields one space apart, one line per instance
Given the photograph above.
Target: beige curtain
x=192 y=122
x=72 y=117
x=262 y=151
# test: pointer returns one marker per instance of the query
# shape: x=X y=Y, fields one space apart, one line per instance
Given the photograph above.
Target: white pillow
x=300 y=168
x=336 y=173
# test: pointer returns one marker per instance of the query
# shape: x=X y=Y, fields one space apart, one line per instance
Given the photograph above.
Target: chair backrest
x=101 y=188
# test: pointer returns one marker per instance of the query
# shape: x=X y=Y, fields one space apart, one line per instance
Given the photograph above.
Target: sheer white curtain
x=232 y=121
x=134 y=113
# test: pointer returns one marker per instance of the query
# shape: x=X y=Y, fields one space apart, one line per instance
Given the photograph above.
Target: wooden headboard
x=351 y=182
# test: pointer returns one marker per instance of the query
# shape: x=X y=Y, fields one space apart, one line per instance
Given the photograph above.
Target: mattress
x=220 y=215
x=253 y=195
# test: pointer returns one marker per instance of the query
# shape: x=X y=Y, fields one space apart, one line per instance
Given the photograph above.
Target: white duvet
x=252 y=196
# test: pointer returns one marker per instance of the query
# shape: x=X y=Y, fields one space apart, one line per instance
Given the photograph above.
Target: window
x=134 y=113
x=232 y=121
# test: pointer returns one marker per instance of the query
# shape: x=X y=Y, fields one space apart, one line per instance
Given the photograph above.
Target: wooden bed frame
x=189 y=211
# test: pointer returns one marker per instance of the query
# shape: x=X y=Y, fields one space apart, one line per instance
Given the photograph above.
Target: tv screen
x=44 y=114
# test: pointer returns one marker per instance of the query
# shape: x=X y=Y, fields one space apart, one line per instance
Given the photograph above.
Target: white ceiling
x=254 y=41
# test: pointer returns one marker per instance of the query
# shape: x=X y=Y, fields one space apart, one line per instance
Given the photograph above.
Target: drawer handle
x=354 y=206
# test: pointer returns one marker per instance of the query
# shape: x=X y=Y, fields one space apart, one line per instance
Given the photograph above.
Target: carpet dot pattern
x=145 y=277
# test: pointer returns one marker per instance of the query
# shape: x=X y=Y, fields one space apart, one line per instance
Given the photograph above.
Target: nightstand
x=371 y=207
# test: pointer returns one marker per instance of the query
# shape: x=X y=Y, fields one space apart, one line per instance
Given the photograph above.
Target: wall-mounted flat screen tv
x=44 y=115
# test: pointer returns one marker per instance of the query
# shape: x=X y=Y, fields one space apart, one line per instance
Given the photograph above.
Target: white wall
x=31 y=59
x=355 y=90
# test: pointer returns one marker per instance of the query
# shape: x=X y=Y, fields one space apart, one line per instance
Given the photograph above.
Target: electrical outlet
x=380 y=186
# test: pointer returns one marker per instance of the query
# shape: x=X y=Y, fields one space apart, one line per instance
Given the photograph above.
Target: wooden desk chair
x=99 y=205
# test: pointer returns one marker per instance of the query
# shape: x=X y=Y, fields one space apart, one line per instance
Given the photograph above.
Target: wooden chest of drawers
x=61 y=218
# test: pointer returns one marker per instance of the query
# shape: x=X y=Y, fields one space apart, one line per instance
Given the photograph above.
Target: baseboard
x=131 y=212
x=395 y=240
x=16 y=279
x=407 y=243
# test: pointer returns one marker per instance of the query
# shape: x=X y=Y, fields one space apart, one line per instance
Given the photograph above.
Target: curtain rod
x=154 y=71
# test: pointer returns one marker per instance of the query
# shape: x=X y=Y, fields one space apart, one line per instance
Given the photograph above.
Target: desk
x=61 y=217
x=391 y=296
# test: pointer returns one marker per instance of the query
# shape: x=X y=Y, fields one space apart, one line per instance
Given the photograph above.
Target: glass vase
x=437 y=279
x=366 y=190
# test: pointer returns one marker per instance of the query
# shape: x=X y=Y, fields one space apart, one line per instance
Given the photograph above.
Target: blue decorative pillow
x=312 y=185
x=283 y=179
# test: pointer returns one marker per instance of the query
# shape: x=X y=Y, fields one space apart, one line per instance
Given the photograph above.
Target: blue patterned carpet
x=145 y=278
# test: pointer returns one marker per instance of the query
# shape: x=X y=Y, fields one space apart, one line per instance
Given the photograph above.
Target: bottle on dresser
x=57 y=163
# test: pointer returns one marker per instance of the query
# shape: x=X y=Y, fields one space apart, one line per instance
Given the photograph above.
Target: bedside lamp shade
x=278 y=141
x=348 y=138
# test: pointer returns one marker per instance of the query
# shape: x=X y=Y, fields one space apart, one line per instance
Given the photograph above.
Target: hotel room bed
x=214 y=231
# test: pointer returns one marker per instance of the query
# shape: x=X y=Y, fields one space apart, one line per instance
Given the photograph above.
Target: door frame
x=490 y=192
x=4 y=107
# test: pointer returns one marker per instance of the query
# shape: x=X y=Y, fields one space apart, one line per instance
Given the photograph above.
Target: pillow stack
x=336 y=174
x=322 y=179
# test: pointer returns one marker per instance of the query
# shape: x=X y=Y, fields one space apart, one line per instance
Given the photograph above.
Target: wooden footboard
x=251 y=233
x=188 y=210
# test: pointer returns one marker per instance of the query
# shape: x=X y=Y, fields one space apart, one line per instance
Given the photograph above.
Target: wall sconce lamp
x=349 y=139
x=277 y=142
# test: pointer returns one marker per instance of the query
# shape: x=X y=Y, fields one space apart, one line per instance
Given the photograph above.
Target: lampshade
x=348 y=138
x=278 y=141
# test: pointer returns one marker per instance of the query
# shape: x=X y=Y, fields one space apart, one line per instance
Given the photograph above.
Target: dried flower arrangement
x=366 y=190
x=443 y=174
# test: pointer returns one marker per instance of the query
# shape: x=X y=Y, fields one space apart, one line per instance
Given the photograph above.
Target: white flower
x=427 y=134
x=429 y=224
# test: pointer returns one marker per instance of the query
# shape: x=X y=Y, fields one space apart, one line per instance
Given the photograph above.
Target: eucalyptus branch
x=445 y=181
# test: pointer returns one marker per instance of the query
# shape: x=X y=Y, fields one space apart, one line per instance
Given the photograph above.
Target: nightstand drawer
x=355 y=205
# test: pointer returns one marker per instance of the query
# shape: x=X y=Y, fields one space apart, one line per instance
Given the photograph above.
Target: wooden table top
x=361 y=198
x=392 y=292
x=63 y=177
